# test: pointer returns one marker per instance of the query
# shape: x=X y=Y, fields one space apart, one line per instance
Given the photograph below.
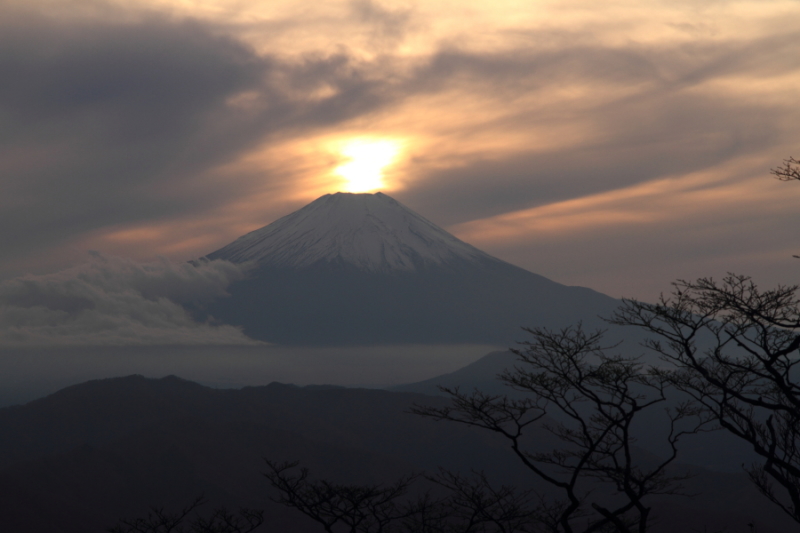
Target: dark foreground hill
x=79 y=459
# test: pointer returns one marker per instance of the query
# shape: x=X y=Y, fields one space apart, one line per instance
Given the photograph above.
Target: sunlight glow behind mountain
x=367 y=161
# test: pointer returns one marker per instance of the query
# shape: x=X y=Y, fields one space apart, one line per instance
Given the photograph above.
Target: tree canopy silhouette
x=597 y=479
x=734 y=349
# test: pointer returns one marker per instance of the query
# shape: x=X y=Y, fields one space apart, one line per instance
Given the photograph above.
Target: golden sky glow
x=638 y=132
x=365 y=162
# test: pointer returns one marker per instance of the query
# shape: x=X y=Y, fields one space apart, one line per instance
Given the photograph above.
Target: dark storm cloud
x=115 y=301
x=95 y=115
x=108 y=124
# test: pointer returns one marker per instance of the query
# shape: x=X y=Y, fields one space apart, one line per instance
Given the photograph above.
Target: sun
x=363 y=172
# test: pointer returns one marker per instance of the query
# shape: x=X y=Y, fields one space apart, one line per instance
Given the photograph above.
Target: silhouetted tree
x=341 y=507
x=470 y=505
x=221 y=520
x=789 y=171
x=598 y=474
x=475 y=504
x=597 y=477
x=734 y=350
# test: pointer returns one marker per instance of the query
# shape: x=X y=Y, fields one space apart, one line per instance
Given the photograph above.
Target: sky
x=617 y=145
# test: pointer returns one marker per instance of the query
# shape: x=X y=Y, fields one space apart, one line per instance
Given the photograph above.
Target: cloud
x=641 y=113
x=116 y=122
x=389 y=25
x=634 y=241
x=115 y=301
x=175 y=127
x=103 y=122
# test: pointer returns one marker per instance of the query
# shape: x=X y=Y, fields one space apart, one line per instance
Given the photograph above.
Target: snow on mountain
x=370 y=231
x=362 y=269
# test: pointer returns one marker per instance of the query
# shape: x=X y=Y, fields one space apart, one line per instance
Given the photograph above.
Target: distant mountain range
x=355 y=269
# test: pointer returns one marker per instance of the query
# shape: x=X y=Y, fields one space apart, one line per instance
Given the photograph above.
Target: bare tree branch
x=789 y=171
x=221 y=520
x=735 y=351
x=595 y=398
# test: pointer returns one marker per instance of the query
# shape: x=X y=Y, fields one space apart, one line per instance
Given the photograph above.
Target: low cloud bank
x=116 y=301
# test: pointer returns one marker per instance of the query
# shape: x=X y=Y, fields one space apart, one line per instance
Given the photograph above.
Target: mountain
x=355 y=269
x=88 y=455
x=371 y=232
x=481 y=374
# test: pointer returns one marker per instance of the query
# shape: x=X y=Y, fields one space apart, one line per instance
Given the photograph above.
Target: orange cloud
x=692 y=199
x=553 y=121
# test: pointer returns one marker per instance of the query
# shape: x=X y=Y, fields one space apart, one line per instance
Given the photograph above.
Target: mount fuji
x=358 y=269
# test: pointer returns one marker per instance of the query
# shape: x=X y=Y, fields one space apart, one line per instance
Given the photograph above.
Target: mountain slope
x=370 y=232
x=364 y=269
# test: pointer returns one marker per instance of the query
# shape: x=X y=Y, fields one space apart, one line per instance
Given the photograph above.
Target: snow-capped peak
x=370 y=231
